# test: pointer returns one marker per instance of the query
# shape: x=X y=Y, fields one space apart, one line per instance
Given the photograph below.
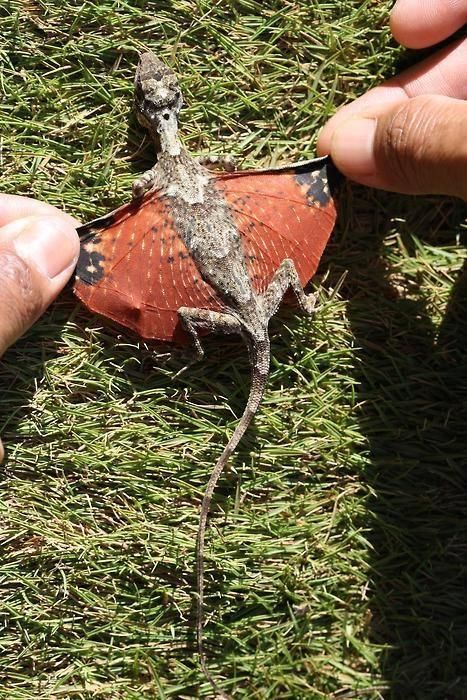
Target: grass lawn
x=338 y=545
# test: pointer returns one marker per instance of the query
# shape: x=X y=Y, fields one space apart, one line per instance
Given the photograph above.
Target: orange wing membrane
x=283 y=213
x=135 y=268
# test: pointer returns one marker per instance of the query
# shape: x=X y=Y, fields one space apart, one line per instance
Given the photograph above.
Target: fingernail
x=352 y=146
x=48 y=244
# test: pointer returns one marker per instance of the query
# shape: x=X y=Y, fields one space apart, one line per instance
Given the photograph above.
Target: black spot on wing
x=90 y=268
x=317 y=186
x=321 y=183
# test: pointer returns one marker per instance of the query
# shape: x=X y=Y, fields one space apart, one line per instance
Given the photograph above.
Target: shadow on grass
x=22 y=370
x=413 y=398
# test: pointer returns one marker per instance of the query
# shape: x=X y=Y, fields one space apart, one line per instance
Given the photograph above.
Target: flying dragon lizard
x=197 y=251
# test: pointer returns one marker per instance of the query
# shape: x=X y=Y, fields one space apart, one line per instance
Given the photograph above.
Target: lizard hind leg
x=285 y=278
x=194 y=320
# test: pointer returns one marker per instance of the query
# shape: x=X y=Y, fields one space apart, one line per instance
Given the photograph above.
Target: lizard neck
x=169 y=142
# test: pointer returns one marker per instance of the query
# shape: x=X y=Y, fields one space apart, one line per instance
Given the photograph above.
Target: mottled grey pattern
x=204 y=221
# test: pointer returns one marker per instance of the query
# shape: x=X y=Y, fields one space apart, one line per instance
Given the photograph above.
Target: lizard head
x=158 y=98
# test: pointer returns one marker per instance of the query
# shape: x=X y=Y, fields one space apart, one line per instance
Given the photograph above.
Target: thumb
x=37 y=257
x=417 y=146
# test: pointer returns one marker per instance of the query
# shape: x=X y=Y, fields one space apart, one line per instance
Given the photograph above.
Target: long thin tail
x=259 y=375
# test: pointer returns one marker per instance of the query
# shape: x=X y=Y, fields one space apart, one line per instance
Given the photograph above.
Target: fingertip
x=13 y=207
x=49 y=244
x=401 y=29
x=410 y=23
x=401 y=151
x=323 y=144
x=372 y=103
x=343 y=115
x=418 y=24
x=37 y=257
x=352 y=147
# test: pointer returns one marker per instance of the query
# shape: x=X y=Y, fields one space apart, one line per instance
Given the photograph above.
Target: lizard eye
x=166 y=116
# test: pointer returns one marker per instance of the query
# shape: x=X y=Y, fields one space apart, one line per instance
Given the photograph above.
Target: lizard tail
x=259 y=357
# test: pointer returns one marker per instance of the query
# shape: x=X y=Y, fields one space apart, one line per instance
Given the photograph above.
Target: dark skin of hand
x=38 y=251
x=388 y=138
x=410 y=133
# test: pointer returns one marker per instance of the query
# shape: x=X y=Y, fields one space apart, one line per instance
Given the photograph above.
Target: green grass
x=337 y=548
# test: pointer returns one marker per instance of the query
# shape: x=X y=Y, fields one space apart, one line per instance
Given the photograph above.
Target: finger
x=14 y=207
x=441 y=74
x=419 y=23
x=416 y=147
x=37 y=257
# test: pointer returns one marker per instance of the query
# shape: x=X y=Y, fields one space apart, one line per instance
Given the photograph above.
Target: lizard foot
x=226 y=162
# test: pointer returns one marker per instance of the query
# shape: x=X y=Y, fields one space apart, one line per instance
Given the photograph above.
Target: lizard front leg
x=286 y=277
x=226 y=162
x=145 y=182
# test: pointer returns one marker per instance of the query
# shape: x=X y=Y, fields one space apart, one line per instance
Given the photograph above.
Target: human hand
x=410 y=133
x=39 y=248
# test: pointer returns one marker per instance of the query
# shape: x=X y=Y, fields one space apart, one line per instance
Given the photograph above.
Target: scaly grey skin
x=205 y=223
